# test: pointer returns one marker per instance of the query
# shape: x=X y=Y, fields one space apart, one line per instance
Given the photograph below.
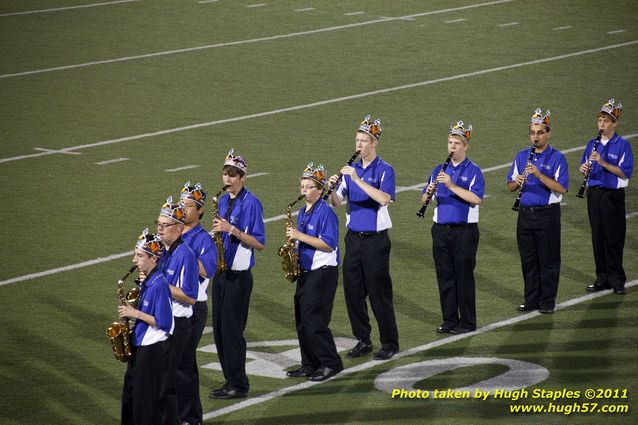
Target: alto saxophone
x=288 y=251
x=120 y=331
x=217 y=237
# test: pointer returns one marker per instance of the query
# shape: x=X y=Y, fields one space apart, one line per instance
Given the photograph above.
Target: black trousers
x=366 y=272
x=454 y=249
x=314 y=299
x=231 y=299
x=148 y=395
x=179 y=339
x=190 y=405
x=606 y=210
x=538 y=237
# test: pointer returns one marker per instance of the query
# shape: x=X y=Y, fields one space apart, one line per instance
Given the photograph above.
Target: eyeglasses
x=537 y=133
x=163 y=226
x=302 y=187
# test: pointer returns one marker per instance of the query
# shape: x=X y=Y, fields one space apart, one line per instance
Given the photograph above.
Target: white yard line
x=255 y=175
x=454 y=21
x=509 y=24
x=267 y=220
x=111 y=161
x=50 y=151
x=306 y=9
x=249 y=41
x=252 y=401
x=256 y=5
x=354 y=13
x=207 y=1
x=562 y=28
x=58 y=9
x=615 y=32
x=185 y=167
x=328 y=101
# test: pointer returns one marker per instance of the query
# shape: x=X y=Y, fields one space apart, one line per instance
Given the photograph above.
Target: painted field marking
x=509 y=24
x=267 y=220
x=632 y=214
x=185 y=167
x=255 y=175
x=566 y=27
x=51 y=151
x=409 y=352
x=207 y=1
x=354 y=13
x=256 y=5
x=615 y=32
x=454 y=21
x=306 y=9
x=329 y=101
x=249 y=41
x=112 y=161
x=58 y=9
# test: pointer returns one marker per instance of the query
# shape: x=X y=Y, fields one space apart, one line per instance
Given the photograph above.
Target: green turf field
x=106 y=110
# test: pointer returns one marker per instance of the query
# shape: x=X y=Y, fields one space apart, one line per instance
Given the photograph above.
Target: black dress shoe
x=217 y=391
x=361 y=349
x=444 y=329
x=324 y=373
x=597 y=287
x=229 y=392
x=526 y=307
x=620 y=291
x=385 y=354
x=546 y=310
x=460 y=330
x=302 y=372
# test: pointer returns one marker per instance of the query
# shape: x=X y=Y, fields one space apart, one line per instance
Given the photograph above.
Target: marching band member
x=148 y=395
x=610 y=168
x=180 y=268
x=317 y=234
x=193 y=199
x=241 y=222
x=455 y=232
x=543 y=181
x=369 y=187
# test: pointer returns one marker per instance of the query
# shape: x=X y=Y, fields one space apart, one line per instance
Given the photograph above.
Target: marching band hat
x=176 y=212
x=317 y=174
x=460 y=130
x=610 y=108
x=194 y=193
x=236 y=161
x=150 y=243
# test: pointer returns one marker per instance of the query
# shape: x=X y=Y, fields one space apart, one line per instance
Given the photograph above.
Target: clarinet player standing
x=542 y=179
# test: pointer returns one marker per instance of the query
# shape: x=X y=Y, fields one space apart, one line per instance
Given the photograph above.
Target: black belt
x=367 y=234
x=604 y=189
x=539 y=207
x=455 y=224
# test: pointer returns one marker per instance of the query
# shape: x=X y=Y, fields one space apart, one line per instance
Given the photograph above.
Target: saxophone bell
x=217 y=237
x=119 y=332
x=288 y=251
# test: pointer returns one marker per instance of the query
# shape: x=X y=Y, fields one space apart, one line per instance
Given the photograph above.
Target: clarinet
x=581 y=191
x=350 y=161
x=430 y=194
x=525 y=174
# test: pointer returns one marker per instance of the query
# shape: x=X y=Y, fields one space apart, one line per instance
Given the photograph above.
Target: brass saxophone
x=217 y=237
x=288 y=251
x=120 y=331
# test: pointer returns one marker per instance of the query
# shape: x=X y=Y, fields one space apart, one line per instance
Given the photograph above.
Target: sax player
x=148 y=395
x=317 y=234
x=241 y=222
